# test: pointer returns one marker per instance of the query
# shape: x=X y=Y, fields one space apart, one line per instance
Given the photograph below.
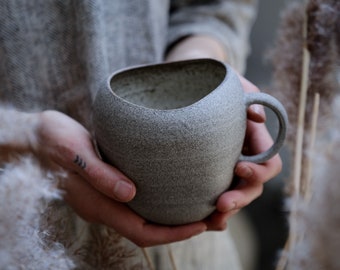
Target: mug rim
x=227 y=74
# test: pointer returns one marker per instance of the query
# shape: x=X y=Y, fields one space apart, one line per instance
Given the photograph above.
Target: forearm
x=197 y=46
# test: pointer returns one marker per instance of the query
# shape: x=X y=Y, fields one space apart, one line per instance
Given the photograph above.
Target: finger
x=261 y=141
x=94 y=206
x=82 y=197
x=141 y=232
x=248 y=86
x=97 y=208
x=83 y=159
x=217 y=221
x=260 y=173
x=257 y=137
x=239 y=197
x=107 y=179
x=255 y=112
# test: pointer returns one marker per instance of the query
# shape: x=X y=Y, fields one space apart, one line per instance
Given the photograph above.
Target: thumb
x=256 y=111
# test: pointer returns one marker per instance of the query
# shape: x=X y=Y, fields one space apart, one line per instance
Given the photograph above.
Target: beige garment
x=232 y=249
x=210 y=250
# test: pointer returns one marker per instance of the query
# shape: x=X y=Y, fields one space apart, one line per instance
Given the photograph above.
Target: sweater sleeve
x=17 y=130
x=229 y=21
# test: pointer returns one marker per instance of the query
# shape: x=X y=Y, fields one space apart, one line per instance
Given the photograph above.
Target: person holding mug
x=54 y=55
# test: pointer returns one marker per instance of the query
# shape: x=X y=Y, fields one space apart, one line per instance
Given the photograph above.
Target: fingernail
x=244 y=171
x=258 y=109
x=123 y=190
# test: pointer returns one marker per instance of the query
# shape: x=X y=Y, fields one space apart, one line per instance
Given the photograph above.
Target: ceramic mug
x=177 y=130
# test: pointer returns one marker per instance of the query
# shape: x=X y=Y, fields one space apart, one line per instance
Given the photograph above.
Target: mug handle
x=280 y=112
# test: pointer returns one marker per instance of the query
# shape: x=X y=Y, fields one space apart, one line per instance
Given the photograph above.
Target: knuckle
x=94 y=173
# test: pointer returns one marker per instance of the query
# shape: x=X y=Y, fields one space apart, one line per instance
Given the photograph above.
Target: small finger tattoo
x=80 y=162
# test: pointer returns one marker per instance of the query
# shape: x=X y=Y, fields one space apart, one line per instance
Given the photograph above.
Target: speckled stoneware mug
x=177 y=131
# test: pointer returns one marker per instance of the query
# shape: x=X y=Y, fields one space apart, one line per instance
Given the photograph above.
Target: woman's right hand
x=93 y=188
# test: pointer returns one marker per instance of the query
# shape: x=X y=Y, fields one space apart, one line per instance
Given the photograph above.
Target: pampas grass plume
x=287 y=57
x=25 y=191
x=318 y=220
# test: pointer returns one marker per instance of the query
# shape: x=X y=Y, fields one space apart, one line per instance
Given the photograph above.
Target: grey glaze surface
x=177 y=131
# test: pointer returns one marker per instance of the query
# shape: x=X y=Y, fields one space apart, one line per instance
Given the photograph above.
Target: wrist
x=18 y=131
x=197 y=46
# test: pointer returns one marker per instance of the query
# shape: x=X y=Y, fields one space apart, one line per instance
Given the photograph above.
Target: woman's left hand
x=250 y=176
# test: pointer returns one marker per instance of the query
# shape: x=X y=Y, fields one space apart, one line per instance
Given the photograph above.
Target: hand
x=251 y=176
x=95 y=189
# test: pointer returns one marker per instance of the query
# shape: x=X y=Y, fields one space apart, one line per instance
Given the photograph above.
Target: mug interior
x=169 y=86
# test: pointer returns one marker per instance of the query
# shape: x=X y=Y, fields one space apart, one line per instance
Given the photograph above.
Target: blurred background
x=268 y=213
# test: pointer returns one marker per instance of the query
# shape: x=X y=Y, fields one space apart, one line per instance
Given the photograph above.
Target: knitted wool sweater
x=54 y=55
